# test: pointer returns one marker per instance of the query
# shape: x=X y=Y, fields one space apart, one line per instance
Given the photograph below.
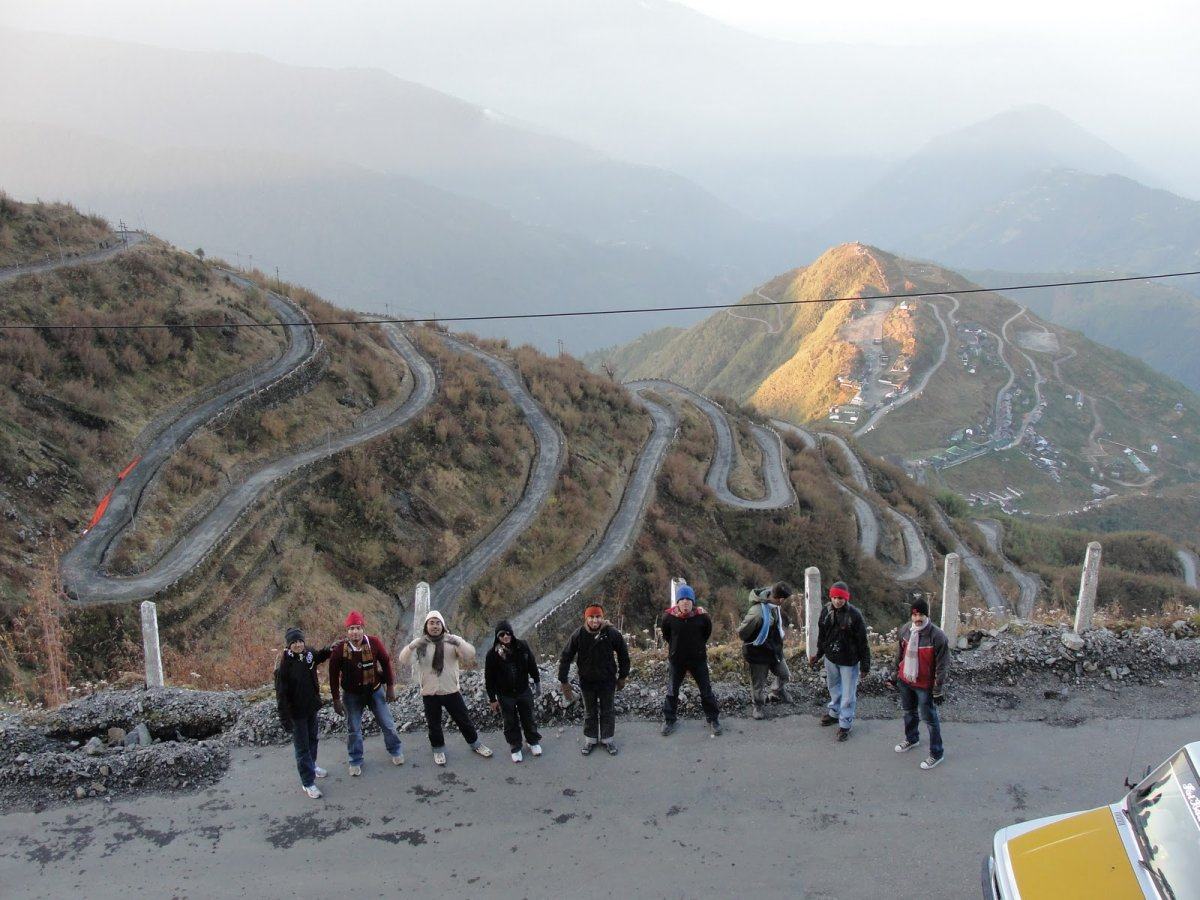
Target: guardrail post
x=675 y=583
x=420 y=611
x=812 y=608
x=950 y=588
x=154 y=669
x=1088 y=582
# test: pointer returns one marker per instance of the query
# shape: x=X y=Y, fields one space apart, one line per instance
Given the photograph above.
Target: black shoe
x=715 y=728
x=843 y=734
x=611 y=748
x=827 y=719
x=586 y=749
x=757 y=713
x=668 y=728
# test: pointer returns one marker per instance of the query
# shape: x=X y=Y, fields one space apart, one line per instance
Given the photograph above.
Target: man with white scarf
x=922 y=662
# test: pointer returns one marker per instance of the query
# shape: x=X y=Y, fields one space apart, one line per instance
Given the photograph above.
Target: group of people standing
x=361 y=677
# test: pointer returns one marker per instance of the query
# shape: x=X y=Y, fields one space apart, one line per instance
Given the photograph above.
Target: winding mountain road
x=129 y=240
x=779 y=492
x=982 y=577
x=1187 y=559
x=622 y=528
x=447 y=591
x=1030 y=585
x=90 y=586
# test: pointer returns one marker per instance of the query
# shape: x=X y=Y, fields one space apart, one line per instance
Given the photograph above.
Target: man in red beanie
x=361 y=665
x=842 y=642
x=602 y=662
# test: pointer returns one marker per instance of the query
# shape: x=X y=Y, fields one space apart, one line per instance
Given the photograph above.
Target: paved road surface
x=191 y=550
x=690 y=816
x=131 y=239
x=551 y=450
x=979 y=572
x=1030 y=585
x=779 y=491
x=1187 y=559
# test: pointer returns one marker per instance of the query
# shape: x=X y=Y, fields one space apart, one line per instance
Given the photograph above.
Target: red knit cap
x=594 y=610
x=355 y=618
x=840 y=590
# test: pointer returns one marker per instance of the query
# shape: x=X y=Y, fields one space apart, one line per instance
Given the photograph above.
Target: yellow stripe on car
x=1080 y=857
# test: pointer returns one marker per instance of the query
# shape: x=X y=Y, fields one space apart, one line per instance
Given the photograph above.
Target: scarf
x=679 y=614
x=768 y=618
x=911 y=666
x=439 y=658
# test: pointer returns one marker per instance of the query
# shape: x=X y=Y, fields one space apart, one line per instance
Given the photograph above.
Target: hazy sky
x=1129 y=73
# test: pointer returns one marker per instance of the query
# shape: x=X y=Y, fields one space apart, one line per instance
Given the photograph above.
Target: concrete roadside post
x=812 y=608
x=420 y=611
x=154 y=669
x=675 y=584
x=1086 y=605
x=950 y=586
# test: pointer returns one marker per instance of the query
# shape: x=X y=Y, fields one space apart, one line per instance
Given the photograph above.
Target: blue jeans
x=355 y=704
x=304 y=742
x=842 y=682
x=912 y=701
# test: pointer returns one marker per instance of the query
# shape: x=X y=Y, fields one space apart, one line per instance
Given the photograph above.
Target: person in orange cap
x=602 y=661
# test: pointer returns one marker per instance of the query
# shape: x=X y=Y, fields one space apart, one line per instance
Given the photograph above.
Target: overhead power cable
x=598 y=312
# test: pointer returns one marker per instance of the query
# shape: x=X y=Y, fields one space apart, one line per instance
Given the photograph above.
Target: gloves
x=537 y=689
x=890 y=681
x=286 y=725
x=567 y=692
x=813 y=661
x=495 y=705
x=453 y=640
x=864 y=671
x=620 y=684
x=338 y=707
x=939 y=698
x=390 y=693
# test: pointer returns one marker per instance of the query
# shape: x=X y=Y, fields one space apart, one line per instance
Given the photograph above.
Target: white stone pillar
x=154 y=669
x=950 y=588
x=812 y=608
x=1086 y=604
x=420 y=611
x=675 y=583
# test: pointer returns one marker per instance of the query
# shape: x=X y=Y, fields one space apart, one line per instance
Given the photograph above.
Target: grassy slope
x=32 y=232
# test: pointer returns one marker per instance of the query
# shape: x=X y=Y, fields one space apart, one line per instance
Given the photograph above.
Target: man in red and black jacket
x=360 y=671
x=922 y=663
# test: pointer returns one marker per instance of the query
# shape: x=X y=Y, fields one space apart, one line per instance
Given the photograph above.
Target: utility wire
x=600 y=312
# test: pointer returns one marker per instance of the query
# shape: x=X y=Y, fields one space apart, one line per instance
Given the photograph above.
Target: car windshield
x=1165 y=813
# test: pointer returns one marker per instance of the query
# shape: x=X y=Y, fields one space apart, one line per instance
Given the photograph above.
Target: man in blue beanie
x=686 y=628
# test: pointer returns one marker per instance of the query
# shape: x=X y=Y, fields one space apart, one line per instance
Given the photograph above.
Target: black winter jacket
x=842 y=637
x=601 y=659
x=686 y=638
x=297 y=693
x=509 y=673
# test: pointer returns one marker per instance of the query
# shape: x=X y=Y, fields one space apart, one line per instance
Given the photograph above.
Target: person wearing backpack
x=686 y=628
x=509 y=670
x=298 y=697
x=360 y=673
x=762 y=632
x=439 y=656
x=842 y=643
x=602 y=661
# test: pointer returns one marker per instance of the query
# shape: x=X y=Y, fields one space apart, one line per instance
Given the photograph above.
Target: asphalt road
x=979 y=572
x=1187 y=559
x=446 y=592
x=779 y=491
x=770 y=809
x=1030 y=585
x=130 y=239
x=192 y=548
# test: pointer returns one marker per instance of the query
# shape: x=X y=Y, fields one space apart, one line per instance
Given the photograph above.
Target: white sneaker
x=483 y=750
x=320 y=773
x=535 y=749
x=517 y=756
x=905 y=746
x=439 y=758
x=355 y=771
x=930 y=761
x=398 y=760
x=313 y=791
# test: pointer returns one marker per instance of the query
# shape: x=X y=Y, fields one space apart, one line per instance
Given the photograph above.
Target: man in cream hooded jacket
x=436 y=657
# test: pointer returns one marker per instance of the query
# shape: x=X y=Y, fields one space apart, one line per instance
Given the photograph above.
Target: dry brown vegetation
x=32 y=232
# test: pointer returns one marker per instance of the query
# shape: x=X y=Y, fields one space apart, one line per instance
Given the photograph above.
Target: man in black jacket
x=508 y=670
x=686 y=629
x=842 y=641
x=602 y=663
x=299 y=697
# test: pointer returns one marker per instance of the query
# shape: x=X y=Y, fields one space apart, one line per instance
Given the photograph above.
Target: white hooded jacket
x=457 y=654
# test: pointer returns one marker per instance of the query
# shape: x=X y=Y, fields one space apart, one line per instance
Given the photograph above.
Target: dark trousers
x=518 y=718
x=304 y=742
x=453 y=704
x=918 y=706
x=599 y=717
x=699 y=671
